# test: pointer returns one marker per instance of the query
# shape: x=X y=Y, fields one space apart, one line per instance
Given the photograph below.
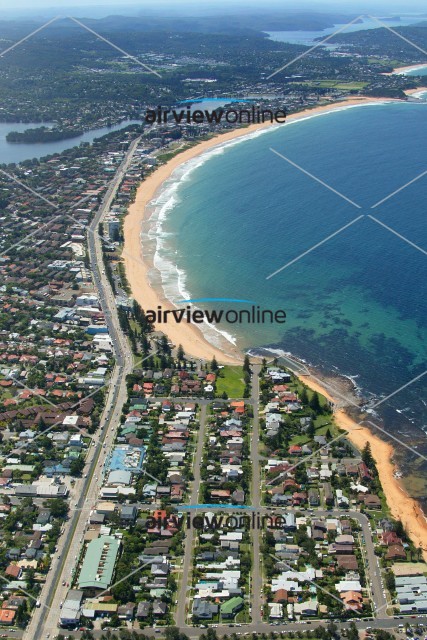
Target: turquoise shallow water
x=356 y=303
x=420 y=71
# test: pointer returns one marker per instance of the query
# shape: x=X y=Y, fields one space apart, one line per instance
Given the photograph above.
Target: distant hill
x=239 y=24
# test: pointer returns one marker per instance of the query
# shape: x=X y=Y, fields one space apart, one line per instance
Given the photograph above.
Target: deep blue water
x=356 y=304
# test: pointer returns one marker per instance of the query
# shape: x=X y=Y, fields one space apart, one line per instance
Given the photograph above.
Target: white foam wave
x=408 y=71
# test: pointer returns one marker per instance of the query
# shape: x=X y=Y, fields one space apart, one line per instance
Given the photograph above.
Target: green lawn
x=230 y=381
x=334 y=84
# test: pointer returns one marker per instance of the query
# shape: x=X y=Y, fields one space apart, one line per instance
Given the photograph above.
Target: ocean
x=416 y=71
x=355 y=303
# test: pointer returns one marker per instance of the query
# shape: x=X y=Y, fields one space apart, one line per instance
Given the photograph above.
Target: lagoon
x=13 y=152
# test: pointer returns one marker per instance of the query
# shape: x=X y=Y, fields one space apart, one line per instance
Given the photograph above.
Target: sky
x=190 y=7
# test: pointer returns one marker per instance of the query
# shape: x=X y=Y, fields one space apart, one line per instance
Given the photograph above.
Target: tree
x=332 y=629
x=247 y=364
x=303 y=396
x=367 y=456
x=164 y=347
x=30 y=578
x=173 y=633
x=58 y=507
x=180 y=354
x=390 y=581
x=214 y=364
x=352 y=632
x=311 y=430
x=315 y=402
x=399 y=529
x=77 y=466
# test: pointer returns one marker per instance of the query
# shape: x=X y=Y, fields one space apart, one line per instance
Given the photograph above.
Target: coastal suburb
x=162 y=476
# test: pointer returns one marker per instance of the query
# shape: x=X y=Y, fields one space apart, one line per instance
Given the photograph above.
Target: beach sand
x=402 y=506
x=137 y=267
x=410 y=67
x=410 y=92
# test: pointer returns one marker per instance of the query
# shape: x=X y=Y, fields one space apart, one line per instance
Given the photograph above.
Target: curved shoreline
x=411 y=67
x=137 y=262
x=193 y=341
x=402 y=506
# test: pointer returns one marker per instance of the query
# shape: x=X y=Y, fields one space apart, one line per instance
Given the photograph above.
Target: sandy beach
x=411 y=92
x=411 y=67
x=137 y=265
x=401 y=506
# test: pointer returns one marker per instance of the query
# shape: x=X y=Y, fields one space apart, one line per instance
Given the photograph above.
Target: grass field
x=231 y=381
x=334 y=84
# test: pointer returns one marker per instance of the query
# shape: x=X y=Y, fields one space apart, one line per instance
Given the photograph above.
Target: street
x=45 y=618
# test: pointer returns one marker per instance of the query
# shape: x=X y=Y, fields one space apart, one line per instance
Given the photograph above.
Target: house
x=295 y=450
x=349 y=563
x=126 y=611
x=43 y=517
x=160 y=569
x=231 y=607
x=281 y=595
x=307 y=608
x=396 y=552
x=238 y=496
x=342 y=500
x=313 y=497
x=328 y=494
x=204 y=610
x=276 y=611
x=348 y=585
x=346 y=539
x=7 y=616
x=352 y=600
x=14 y=602
x=128 y=514
x=143 y=610
x=220 y=493
x=391 y=537
x=370 y=500
x=159 y=608
x=13 y=571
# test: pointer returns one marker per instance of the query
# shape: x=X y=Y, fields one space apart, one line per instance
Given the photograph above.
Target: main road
x=45 y=618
